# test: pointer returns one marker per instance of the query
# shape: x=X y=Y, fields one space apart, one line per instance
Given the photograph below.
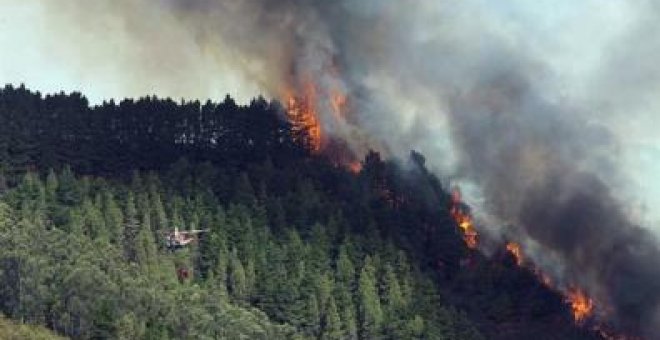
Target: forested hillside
x=296 y=246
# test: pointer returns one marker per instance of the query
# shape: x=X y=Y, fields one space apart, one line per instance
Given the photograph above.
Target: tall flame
x=317 y=107
x=302 y=113
x=464 y=220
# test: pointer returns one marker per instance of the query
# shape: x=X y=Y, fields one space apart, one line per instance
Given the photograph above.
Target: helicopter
x=178 y=239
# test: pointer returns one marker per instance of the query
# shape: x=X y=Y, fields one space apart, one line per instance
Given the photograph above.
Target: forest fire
x=303 y=108
x=581 y=304
x=301 y=111
x=464 y=220
x=317 y=113
x=514 y=249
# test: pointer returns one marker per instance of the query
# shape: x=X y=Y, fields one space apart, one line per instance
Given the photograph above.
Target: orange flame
x=301 y=111
x=464 y=221
x=303 y=108
x=514 y=249
x=581 y=304
x=354 y=167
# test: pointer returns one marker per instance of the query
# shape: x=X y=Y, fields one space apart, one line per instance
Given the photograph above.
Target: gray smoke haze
x=546 y=112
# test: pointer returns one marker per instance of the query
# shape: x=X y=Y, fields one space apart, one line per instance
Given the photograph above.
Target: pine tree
x=158 y=217
x=332 y=327
x=312 y=317
x=51 y=185
x=319 y=248
x=349 y=322
x=393 y=295
x=75 y=222
x=113 y=217
x=345 y=279
x=397 y=322
x=131 y=229
x=220 y=267
x=371 y=314
x=143 y=207
x=94 y=225
x=325 y=289
x=250 y=279
x=237 y=280
x=345 y=268
x=145 y=247
x=68 y=191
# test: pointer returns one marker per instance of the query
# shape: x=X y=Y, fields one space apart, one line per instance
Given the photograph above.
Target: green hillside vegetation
x=10 y=330
x=297 y=247
x=83 y=255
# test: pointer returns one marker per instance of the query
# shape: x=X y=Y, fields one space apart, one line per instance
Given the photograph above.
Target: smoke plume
x=546 y=111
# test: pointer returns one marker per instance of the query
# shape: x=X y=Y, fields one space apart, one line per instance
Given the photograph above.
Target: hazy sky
x=584 y=45
x=51 y=51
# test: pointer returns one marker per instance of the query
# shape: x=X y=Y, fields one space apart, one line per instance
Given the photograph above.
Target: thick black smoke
x=534 y=163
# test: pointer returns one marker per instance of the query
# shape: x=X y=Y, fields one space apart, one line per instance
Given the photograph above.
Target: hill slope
x=295 y=247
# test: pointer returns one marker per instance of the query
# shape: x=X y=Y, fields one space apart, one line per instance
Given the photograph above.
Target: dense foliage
x=296 y=247
x=10 y=330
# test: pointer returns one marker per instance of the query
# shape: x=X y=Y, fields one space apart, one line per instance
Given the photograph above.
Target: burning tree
x=304 y=119
x=461 y=215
